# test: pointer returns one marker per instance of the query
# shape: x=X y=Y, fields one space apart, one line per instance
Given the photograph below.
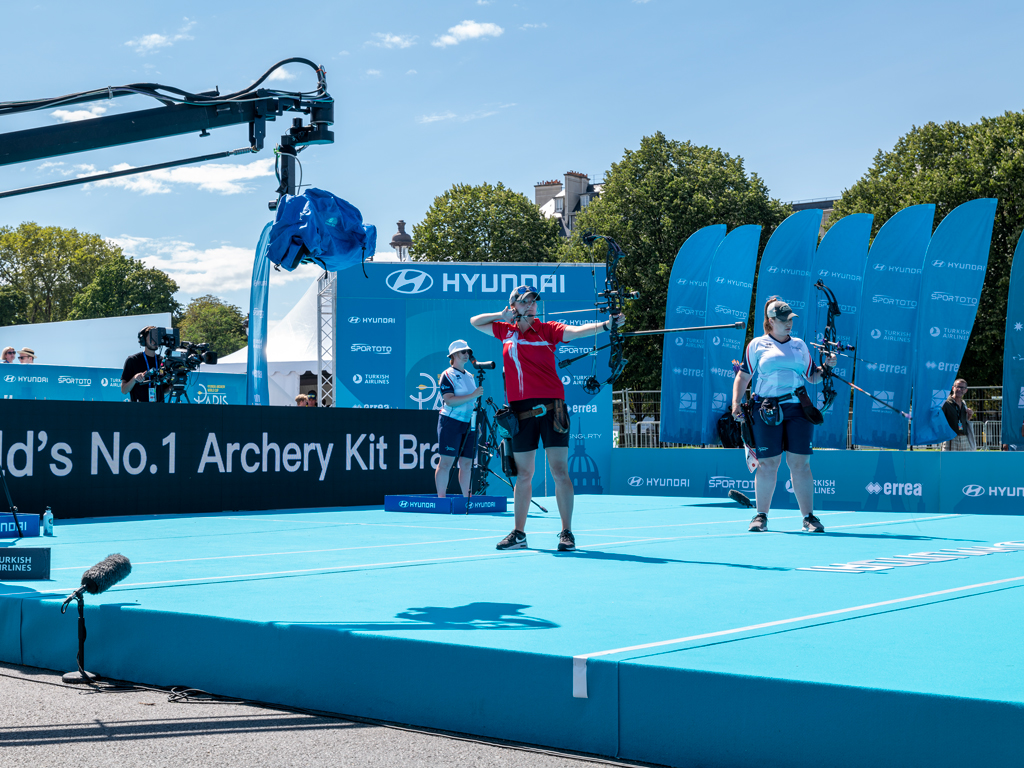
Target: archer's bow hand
x=830 y=361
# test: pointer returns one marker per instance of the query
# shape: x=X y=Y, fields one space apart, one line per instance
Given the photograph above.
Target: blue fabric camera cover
x=320 y=227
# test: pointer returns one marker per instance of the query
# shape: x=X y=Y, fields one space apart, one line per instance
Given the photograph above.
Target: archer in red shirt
x=536 y=394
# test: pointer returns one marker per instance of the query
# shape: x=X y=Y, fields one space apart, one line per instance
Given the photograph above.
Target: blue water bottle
x=48 y=522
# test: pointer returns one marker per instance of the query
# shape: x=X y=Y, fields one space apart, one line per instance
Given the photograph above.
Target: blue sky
x=468 y=91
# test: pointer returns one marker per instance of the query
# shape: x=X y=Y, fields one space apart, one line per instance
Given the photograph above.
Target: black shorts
x=795 y=434
x=540 y=429
x=451 y=434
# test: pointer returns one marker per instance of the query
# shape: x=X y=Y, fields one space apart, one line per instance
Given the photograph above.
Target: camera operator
x=139 y=367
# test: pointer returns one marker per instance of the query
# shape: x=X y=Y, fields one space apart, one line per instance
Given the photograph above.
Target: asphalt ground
x=47 y=723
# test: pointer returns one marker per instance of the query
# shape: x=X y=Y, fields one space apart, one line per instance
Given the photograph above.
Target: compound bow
x=613 y=301
x=829 y=346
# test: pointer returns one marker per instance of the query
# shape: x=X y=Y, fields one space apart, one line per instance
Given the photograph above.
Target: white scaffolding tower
x=326 y=311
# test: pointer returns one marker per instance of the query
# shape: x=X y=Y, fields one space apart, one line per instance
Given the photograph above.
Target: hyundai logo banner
x=730 y=285
x=1013 y=356
x=922 y=482
x=393 y=332
x=101 y=459
x=839 y=263
x=786 y=269
x=888 y=322
x=682 y=363
x=954 y=272
x=55 y=382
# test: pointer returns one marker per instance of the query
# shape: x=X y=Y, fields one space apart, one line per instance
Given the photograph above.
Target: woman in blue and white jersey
x=779 y=410
x=458 y=393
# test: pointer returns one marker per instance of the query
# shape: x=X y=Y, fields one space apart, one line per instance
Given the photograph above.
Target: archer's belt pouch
x=770 y=411
x=812 y=414
x=508 y=424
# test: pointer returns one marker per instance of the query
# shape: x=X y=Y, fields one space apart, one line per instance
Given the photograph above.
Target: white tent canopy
x=99 y=343
x=291 y=350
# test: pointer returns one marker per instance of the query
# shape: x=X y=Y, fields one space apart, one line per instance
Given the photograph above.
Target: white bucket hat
x=458 y=346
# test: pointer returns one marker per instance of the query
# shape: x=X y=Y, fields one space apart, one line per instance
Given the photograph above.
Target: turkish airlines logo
x=409 y=281
x=973 y=490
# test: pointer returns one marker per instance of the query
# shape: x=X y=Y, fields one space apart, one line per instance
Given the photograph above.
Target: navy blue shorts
x=452 y=433
x=795 y=434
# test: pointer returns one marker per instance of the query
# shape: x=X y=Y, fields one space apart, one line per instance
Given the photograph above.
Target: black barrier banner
x=91 y=459
x=25 y=563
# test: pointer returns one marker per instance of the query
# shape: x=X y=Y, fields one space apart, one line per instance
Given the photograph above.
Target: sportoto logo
x=409 y=281
x=935 y=331
x=635 y=480
x=876 y=334
x=973 y=490
x=687 y=401
x=357 y=379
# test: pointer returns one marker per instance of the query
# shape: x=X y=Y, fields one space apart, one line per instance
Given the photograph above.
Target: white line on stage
x=579 y=662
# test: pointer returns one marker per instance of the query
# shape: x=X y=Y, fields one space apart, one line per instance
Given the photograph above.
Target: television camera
x=180 y=358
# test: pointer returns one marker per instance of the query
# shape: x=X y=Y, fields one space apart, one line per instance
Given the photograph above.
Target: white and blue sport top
x=457 y=383
x=780 y=366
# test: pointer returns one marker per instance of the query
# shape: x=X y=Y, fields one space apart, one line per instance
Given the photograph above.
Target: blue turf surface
x=648 y=570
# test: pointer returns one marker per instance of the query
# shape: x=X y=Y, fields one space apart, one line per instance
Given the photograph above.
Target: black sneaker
x=515 y=540
x=566 y=541
x=813 y=524
x=759 y=523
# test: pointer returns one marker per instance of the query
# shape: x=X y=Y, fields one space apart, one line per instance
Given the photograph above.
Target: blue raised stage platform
x=892 y=639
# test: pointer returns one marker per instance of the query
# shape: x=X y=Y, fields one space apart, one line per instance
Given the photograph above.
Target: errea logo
x=409 y=281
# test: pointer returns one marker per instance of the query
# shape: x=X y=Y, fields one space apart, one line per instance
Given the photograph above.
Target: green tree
x=950 y=164
x=214 y=321
x=48 y=266
x=13 y=306
x=652 y=200
x=484 y=223
x=123 y=286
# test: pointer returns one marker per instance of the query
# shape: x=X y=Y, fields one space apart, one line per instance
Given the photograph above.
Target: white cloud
x=533 y=26
x=435 y=118
x=423 y=119
x=154 y=42
x=343 y=53
x=74 y=115
x=467 y=30
x=224 y=178
x=373 y=72
x=281 y=74
x=54 y=167
x=198 y=271
x=387 y=40
x=411 y=72
x=484 y=2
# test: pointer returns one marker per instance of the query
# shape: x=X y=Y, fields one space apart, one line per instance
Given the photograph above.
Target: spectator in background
x=26 y=356
x=301 y=401
x=311 y=396
x=959 y=417
x=8 y=355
